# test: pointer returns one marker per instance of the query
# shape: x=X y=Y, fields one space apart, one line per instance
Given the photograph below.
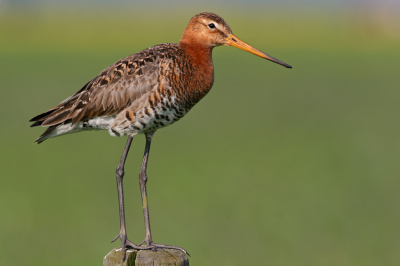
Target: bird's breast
x=180 y=84
x=193 y=86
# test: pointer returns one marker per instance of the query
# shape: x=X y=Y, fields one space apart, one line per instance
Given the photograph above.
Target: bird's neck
x=199 y=53
x=200 y=57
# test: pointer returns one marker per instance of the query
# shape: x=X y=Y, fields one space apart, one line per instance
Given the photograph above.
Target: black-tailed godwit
x=145 y=92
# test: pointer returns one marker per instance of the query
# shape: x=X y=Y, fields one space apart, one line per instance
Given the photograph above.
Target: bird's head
x=210 y=30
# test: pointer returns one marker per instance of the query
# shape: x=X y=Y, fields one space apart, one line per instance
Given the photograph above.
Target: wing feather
x=117 y=87
x=124 y=84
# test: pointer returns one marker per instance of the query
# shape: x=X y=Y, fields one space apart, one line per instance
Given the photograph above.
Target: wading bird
x=145 y=92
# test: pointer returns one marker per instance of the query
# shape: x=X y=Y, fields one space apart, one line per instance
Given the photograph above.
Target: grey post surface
x=162 y=257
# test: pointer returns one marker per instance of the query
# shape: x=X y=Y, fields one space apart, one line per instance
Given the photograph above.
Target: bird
x=142 y=93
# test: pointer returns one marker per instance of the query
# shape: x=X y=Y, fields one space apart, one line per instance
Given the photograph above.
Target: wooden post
x=161 y=257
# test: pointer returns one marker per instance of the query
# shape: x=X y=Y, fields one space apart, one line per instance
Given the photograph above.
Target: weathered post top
x=161 y=257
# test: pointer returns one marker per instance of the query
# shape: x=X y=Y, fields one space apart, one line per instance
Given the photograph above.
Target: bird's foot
x=125 y=242
x=148 y=245
x=155 y=246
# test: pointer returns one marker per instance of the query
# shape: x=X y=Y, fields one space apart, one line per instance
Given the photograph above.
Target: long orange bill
x=232 y=40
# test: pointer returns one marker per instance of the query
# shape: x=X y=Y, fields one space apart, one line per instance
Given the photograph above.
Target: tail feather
x=62 y=128
x=47 y=132
x=56 y=119
x=52 y=118
x=65 y=117
x=44 y=115
x=37 y=123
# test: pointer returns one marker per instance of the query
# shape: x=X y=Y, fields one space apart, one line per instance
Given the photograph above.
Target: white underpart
x=98 y=123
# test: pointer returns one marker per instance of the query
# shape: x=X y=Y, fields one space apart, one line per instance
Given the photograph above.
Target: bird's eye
x=211 y=26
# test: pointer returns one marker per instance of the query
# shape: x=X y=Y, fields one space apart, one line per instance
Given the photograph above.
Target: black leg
x=120 y=175
x=142 y=180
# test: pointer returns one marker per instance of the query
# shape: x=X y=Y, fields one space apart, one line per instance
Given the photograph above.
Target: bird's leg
x=120 y=175
x=143 y=180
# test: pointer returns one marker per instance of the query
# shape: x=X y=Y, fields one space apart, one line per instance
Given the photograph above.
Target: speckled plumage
x=142 y=92
x=147 y=90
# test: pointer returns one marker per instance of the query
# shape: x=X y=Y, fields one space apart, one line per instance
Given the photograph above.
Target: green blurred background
x=273 y=167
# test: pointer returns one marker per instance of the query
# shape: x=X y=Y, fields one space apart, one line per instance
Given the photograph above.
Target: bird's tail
x=45 y=134
x=65 y=127
x=38 y=121
x=54 y=130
